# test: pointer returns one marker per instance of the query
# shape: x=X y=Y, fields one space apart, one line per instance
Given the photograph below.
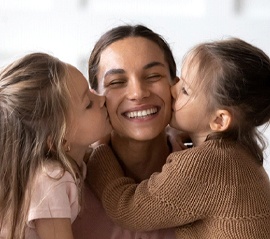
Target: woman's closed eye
x=116 y=83
x=153 y=77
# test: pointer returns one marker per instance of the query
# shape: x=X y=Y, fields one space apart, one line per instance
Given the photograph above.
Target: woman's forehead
x=133 y=47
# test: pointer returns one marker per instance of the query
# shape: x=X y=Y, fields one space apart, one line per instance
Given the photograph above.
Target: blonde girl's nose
x=174 y=91
x=102 y=100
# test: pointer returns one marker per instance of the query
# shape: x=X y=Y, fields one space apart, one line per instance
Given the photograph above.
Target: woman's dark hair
x=119 y=33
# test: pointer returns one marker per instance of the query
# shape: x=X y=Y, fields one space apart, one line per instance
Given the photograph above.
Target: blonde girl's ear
x=66 y=145
x=221 y=121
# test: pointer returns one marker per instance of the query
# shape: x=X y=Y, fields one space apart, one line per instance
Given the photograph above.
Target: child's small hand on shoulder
x=105 y=140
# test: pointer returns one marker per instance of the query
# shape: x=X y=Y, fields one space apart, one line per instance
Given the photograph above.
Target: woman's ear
x=221 y=121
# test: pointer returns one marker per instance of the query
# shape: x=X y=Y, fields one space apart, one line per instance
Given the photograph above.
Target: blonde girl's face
x=88 y=118
x=189 y=107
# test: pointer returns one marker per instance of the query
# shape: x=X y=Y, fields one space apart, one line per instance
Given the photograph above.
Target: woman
x=134 y=68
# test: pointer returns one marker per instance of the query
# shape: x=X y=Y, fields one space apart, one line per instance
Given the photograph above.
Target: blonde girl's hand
x=57 y=228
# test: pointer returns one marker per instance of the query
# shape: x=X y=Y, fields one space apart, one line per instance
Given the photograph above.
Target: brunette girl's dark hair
x=235 y=75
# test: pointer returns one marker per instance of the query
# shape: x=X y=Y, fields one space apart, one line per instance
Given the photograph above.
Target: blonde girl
x=218 y=188
x=48 y=118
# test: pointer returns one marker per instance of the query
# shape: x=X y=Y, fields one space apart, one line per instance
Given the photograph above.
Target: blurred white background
x=68 y=29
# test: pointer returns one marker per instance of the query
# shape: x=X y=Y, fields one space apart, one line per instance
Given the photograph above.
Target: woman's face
x=134 y=77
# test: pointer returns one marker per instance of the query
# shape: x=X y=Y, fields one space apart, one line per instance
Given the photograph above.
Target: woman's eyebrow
x=113 y=72
x=152 y=64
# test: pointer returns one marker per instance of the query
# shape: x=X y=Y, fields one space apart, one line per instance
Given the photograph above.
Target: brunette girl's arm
x=163 y=201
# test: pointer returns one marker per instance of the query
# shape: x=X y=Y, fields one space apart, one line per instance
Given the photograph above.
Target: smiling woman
x=138 y=84
x=134 y=68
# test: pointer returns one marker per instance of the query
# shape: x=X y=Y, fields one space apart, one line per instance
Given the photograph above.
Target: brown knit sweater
x=216 y=190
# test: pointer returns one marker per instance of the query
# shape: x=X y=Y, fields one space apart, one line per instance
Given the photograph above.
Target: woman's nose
x=137 y=90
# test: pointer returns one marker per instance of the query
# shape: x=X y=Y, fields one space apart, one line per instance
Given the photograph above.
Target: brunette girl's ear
x=221 y=121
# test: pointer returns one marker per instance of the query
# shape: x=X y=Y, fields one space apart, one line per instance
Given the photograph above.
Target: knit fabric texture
x=216 y=190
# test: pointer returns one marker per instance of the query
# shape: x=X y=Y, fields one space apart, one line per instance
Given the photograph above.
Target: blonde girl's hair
x=34 y=101
x=235 y=75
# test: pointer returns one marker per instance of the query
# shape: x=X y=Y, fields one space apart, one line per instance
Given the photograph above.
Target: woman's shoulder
x=93 y=219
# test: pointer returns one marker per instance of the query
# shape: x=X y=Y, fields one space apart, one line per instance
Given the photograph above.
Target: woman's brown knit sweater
x=216 y=190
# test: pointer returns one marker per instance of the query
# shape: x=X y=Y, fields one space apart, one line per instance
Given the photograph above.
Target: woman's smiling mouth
x=141 y=113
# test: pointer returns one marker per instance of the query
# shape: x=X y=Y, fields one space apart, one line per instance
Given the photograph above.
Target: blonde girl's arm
x=54 y=228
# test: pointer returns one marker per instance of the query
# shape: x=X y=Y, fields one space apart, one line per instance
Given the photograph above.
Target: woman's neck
x=140 y=159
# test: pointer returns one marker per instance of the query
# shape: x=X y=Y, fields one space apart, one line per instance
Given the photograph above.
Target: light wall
x=68 y=29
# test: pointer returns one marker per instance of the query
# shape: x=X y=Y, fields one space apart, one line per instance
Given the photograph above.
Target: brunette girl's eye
x=184 y=91
x=89 y=106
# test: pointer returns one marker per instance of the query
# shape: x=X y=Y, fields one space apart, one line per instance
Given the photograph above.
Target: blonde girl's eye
x=89 y=106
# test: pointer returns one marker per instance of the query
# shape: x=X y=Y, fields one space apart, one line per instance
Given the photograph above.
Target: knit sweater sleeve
x=170 y=198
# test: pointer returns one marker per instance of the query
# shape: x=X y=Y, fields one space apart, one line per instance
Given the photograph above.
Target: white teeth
x=141 y=113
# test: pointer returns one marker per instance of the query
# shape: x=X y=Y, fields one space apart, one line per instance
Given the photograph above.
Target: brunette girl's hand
x=105 y=140
x=88 y=154
x=177 y=138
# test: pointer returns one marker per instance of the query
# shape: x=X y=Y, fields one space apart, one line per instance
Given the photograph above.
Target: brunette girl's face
x=190 y=105
x=134 y=77
x=88 y=118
